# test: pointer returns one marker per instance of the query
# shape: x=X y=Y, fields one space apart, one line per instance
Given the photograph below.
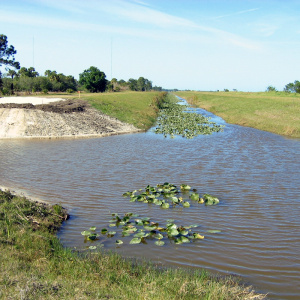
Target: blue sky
x=186 y=44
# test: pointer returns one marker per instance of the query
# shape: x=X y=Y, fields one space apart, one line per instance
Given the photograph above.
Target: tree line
x=22 y=79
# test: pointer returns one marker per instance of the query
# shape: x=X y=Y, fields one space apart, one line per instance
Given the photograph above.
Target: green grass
x=34 y=265
x=135 y=108
x=276 y=112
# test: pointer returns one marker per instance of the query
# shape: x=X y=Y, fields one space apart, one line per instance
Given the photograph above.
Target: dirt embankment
x=69 y=118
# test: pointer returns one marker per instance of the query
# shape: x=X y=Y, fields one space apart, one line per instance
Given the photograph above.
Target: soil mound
x=64 y=106
x=69 y=118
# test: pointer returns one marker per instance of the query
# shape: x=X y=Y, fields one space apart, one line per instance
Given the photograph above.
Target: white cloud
x=127 y=18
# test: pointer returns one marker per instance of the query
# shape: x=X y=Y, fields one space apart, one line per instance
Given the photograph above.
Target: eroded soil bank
x=67 y=118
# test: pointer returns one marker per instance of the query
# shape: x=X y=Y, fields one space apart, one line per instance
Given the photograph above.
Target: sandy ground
x=33 y=100
x=37 y=123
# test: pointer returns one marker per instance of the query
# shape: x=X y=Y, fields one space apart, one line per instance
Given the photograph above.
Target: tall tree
x=93 y=80
x=7 y=55
x=12 y=74
x=30 y=72
x=293 y=87
x=132 y=83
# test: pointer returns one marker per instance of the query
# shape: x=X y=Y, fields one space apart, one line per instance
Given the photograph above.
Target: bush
x=5 y=91
x=70 y=91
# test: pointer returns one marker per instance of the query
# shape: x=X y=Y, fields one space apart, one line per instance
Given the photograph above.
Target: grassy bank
x=135 y=108
x=34 y=265
x=276 y=112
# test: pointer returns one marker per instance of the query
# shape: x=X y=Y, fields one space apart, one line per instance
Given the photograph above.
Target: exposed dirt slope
x=70 y=118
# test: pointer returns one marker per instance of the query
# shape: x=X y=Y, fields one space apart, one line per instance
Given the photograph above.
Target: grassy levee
x=135 y=108
x=276 y=112
x=34 y=265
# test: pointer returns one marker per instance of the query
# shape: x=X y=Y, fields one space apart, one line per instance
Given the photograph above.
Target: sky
x=205 y=45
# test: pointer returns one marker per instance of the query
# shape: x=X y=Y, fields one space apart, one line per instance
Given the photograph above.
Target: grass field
x=34 y=265
x=276 y=112
x=136 y=108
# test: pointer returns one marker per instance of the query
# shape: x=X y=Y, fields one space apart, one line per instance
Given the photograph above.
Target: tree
x=132 y=83
x=12 y=74
x=7 y=57
x=141 y=83
x=93 y=80
x=293 y=87
x=271 y=88
x=30 y=72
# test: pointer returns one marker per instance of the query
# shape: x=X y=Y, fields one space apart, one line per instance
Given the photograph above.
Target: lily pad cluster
x=173 y=119
x=168 y=195
x=142 y=230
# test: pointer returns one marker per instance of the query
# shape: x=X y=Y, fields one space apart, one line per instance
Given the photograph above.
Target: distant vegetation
x=92 y=80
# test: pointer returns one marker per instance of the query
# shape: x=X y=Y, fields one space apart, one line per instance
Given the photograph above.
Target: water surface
x=255 y=175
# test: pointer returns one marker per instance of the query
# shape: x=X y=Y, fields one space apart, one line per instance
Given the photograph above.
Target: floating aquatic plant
x=173 y=119
x=143 y=230
x=168 y=195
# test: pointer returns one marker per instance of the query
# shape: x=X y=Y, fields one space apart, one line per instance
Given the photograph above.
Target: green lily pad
x=141 y=234
x=133 y=199
x=186 y=204
x=184 y=239
x=213 y=231
x=195 y=197
x=165 y=205
x=86 y=232
x=178 y=241
x=210 y=200
x=119 y=242
x=158 y=236
x=104 y=230
x=93 y=228
x=191 y=226
x=135 y=241
x=184 y=232
x=92 y=247
x=198 y=236
x=92 y=237
x=159 y=243
x=185 y=187
x=125 y=233
x=173 y=232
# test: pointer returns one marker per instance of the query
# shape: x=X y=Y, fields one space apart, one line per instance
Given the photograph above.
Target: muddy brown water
x=255 y=174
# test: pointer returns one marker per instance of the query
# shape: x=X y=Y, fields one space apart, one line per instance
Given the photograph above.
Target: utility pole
x=111 y=54
x=33 y=51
